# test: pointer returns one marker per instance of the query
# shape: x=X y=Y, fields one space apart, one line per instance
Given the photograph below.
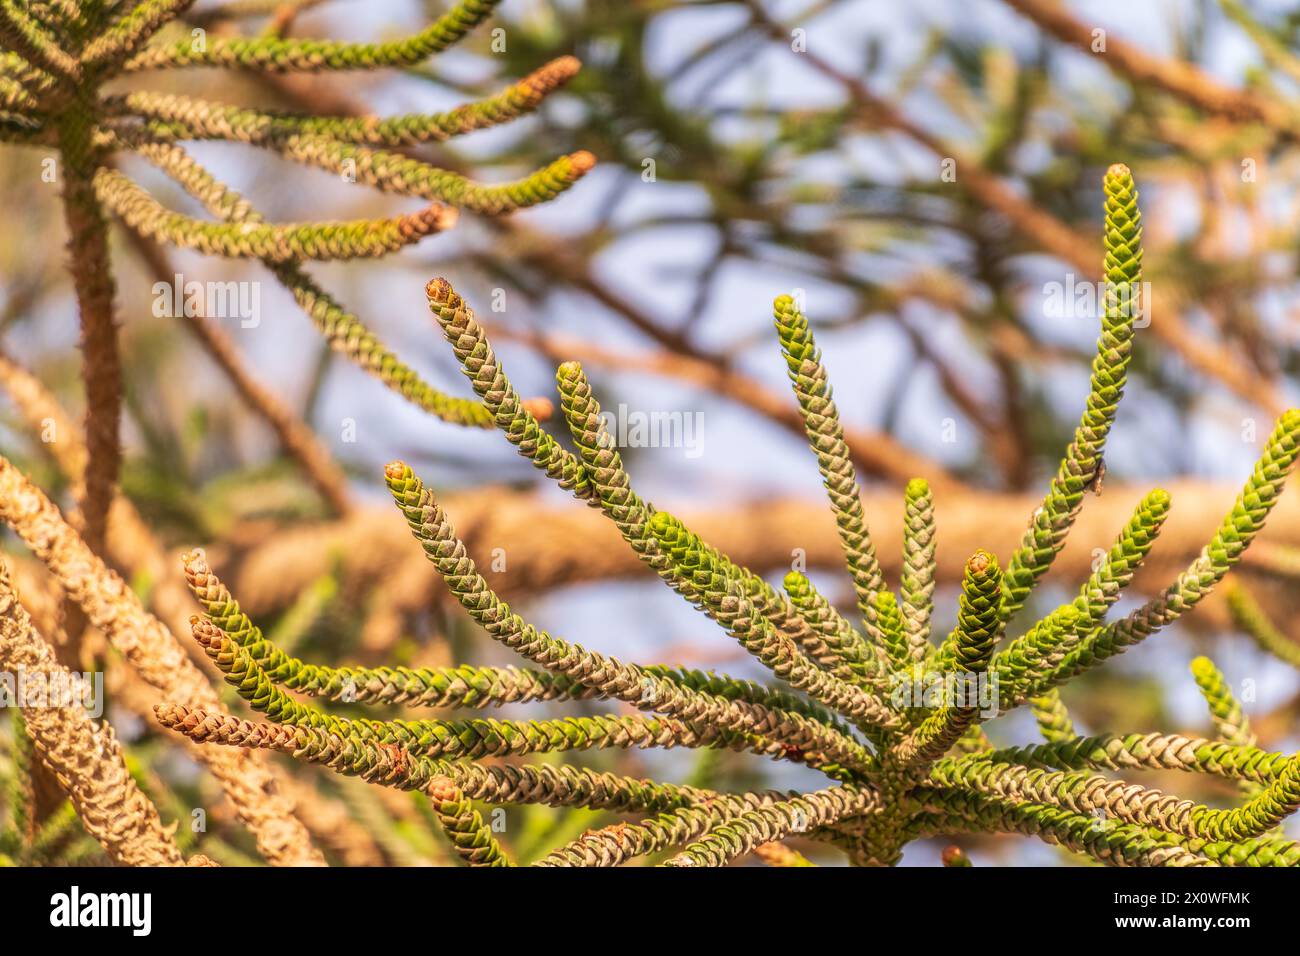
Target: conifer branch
x=705 y=581
x=776 y=821
x=129 y=32
x=390 y=765
x=930 y=772
x=342 y=330
x=1229 y=719
x=85 y=755
x=615 y=679
x=889 y=622
x=866 y=664
x=826 y=436
x=616 y=844
x=30 y=39
x=358 y=239
x=1123 y=275
x=463 y=686
x=463 y=738
x=1239 y=528
x=276 y=55
x=1148 y=752
x=171 y=116
x=975 y=636
x=1255 y=622
x=463 y=826
x=633 y=517
x=110 y=605
x=1115 y=844
x=918 y=583
x=1053 y=719
x=903 y=763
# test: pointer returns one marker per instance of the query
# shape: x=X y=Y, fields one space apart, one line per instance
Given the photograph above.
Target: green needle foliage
x=57 y=62
x=886 y=712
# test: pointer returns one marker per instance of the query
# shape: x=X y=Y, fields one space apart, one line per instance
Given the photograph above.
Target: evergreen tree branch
x=276 y=55
x=85 y=755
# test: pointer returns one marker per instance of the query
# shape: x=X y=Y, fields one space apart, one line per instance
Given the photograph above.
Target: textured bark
x=101 y=370
x=82 y=753
x=111 y=606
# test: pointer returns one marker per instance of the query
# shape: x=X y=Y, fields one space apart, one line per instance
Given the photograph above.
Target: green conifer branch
x=1264 y=851
x=918 y=582
x=613 y=678
x=1053 y=718
x=170 y=116
x=1229 y=719
x=1044 y=643
x=1239 y=528
x=1030 y=659
x=510 y=413
x=392 y=172
x=1255 y=622
x=61 y=103
x=129 y=32
x=922 y=769
x=567 y=786
x=1116 y=844
x=1123 y=276
x=705 y=581
x=276 y=55
x=1103 y=797
x=632 y=515
x=777 y=821
x=239 y=648
x=30 y=39
x=341 y=329
x=866 y=663
x=826 y=437
x=976 y=635
x=469 y=739
x=1152 y=751
x=15 y=97
x=889 y=623
x=357 y=239
x=34 y=82
x=1115 y=571
x=390 y=765
x=473 y=841
x=621 y=842
x=462 y=686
